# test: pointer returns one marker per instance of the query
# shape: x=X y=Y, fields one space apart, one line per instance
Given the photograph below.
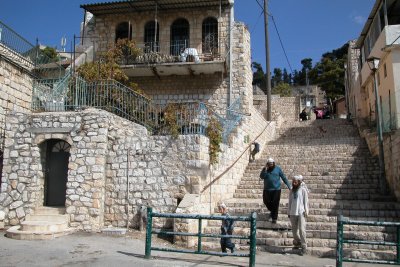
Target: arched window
x=179 y=36
x=210 y=35
x=151 y=38
x=123 y=31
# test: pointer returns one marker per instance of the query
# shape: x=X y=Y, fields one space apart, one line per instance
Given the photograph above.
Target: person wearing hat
x=298 y=212
x=272 y=175
x=226 y=229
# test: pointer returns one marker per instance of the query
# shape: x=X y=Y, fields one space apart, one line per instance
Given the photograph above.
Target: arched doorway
x=57 y=157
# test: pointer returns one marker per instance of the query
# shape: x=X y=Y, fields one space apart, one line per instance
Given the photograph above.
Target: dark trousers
x=271 y=199
x=226 y=243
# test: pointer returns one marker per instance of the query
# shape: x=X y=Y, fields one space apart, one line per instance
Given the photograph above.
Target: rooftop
x=128 y=6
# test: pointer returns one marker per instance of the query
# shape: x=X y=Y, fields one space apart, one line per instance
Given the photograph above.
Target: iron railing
x=2 y=140
x=341 y=221
x=74 y=93
x=149 y=232
x=159 y=53
x=44 y=65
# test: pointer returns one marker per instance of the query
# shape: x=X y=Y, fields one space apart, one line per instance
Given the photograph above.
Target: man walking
x=298 y=212
x=272 y=176
x=255 y=150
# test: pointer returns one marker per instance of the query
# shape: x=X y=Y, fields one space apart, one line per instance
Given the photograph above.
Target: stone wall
x=211 y=89
x=103 y=28
x=392 y=162
x=108 y=157
x=16 y=83
x=284 y=109
x=391 y=150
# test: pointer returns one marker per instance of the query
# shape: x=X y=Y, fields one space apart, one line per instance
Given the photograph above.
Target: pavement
x=89 y=249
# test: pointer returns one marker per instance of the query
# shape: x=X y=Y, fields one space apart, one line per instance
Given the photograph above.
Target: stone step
x=50 y=210
x=314 y=251
x=312 y=196
x=43 y=226
x=314 y=222
x=316 y=192
x=317 y=180
x=15 y=233
x=325 y=203
x=263 y=235
x=49 y=217
x=311 y=186
x=45 y=223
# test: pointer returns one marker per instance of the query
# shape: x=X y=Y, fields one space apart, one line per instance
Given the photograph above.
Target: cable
x=262 y=8
x=280 y=40
x=255 y=25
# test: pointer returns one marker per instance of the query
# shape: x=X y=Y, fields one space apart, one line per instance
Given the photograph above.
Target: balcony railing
x=172 y=52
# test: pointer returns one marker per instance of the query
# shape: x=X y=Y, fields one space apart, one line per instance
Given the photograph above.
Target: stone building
x=378 y=40
x=63 y=147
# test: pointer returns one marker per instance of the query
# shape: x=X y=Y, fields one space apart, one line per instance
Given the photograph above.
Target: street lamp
x=373 y=64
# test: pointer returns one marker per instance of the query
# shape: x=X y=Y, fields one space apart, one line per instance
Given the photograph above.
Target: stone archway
x=56 y=175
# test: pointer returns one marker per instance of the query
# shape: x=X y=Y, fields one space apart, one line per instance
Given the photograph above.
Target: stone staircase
x=45 y=223
x=342 y=177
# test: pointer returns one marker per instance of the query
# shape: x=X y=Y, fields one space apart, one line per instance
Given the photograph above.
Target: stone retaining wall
x=102 y=144
x=16 y=83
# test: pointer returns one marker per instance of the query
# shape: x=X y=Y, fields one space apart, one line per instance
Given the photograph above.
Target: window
x=151 y=38
x=123 y=31
x=61 y=146
x=179 y=36
x=210 y=35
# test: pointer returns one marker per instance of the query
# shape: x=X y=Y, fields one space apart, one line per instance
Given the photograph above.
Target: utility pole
x=267 y=65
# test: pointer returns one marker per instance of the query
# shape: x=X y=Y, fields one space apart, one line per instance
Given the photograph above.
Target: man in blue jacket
x=272 y=176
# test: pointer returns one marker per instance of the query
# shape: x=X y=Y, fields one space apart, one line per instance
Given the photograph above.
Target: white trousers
x=299 y=230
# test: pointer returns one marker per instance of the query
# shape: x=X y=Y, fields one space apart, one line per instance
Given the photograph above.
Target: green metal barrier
x=149 y=231
x=341 y=221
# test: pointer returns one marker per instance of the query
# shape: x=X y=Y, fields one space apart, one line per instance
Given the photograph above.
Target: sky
x=308 y=28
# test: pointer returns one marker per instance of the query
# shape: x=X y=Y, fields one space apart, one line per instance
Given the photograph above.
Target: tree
x=277 y=77
x=50 y=52
x=258 y=76
x=282 y=89
x=286 y=77
x=108 y=66
x=329 y=72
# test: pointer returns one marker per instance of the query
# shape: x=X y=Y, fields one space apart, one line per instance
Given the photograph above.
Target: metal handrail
x=31 y=53
x=74 y=93
x=341 y=221
x=252 y=238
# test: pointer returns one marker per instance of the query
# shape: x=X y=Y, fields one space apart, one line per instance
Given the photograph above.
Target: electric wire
x=280 y=40
x=279 y=37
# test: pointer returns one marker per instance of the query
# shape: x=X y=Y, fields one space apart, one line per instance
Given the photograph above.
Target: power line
x=255 y=25
x=279 y=36
x=280 y=40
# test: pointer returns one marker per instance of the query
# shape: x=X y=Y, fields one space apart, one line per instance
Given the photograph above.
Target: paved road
x=84 y=249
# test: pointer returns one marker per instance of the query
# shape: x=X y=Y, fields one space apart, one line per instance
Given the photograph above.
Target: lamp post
x=373 y=64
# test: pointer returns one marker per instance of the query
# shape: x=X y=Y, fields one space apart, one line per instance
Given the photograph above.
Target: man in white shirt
x=298 y=212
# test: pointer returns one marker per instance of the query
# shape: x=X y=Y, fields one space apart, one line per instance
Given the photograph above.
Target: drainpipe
x=231 y=23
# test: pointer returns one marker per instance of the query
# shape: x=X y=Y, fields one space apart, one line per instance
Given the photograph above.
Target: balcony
x=177 y=58
x=386 y=40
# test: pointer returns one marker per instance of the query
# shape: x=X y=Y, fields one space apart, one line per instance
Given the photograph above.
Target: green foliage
x=328 y=73
x=258 y=75
x=282 y=89
x=214 y=133
x=51 y=53
x=108 y=67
